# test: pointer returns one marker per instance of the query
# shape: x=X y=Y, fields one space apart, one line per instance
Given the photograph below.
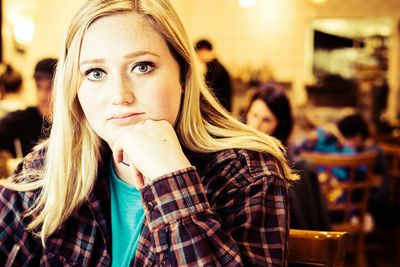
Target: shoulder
x=32 y=165
x=13 y=204
x=256 y=162
x=215 y=65
x=243 y=167
x=29 y=170
x=19 y=115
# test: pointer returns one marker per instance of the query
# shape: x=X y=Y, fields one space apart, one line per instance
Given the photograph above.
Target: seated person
x=21 y=130
x=269 y=111
x=143 y=167
x=350 y=136
x=10 y=89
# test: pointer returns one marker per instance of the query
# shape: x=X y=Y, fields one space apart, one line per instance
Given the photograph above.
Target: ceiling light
x=318 y=1
x=247 y=3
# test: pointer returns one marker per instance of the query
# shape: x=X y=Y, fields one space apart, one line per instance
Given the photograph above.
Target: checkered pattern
x=229 y=210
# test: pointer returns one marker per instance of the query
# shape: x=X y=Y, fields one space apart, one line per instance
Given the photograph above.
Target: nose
x=123 y=94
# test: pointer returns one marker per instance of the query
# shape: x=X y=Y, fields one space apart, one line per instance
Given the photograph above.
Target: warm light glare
x=23 y=30
x=318 y=1
x=247 y=3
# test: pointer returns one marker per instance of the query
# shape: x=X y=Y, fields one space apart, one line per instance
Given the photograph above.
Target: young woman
x=142 y=166
x=270 y=112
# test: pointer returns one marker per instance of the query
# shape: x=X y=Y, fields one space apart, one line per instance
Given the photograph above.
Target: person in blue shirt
x=350 y=136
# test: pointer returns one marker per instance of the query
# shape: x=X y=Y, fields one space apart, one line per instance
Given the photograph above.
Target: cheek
x=171 y=106
x=165 y=102
x=275 y=124
x=93 y=112
x=266 y=127
x=251 y=122
x=248 y=119
x=42 y=96
x=82 y=101
x=89 y=106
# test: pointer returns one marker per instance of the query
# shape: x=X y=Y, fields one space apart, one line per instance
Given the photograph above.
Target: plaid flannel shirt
x=229 y=210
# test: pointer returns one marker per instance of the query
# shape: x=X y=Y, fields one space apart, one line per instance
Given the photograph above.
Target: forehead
x=43 y=84
x=120 y=32
x=260 y=107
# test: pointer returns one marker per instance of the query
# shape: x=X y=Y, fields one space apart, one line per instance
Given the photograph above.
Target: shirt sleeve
x=245 y=223
x=19 y=247
x=8 y=132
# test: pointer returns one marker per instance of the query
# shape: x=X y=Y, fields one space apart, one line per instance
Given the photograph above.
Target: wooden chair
x=392 y=151
x=4 y=156
x=354 y=189
x=317 y=248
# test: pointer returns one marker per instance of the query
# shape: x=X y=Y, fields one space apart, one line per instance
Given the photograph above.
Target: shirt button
x=149 y=206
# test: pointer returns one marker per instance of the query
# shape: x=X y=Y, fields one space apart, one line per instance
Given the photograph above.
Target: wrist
x=167 y=168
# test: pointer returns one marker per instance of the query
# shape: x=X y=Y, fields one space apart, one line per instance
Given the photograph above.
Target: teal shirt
x=127 y=216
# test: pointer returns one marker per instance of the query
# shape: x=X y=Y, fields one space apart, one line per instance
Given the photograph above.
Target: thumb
x=118 y=152
x=138 y=180
x=118 y=155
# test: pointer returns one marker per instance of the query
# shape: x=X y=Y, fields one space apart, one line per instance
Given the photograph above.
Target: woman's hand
x=151 y=149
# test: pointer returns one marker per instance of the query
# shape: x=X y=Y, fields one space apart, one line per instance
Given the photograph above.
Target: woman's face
x=129 y=75
x=261 y=118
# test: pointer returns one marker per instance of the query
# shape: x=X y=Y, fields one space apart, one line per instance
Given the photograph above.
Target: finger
x=138 y=181
x=118 y=153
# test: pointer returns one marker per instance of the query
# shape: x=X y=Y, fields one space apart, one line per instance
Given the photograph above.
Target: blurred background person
x=349 y=136
x=10 y=91
x=269 y=111
x=21 y=130
x=216 y=77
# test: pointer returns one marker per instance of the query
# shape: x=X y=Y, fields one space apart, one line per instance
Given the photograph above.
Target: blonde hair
x=73 y=152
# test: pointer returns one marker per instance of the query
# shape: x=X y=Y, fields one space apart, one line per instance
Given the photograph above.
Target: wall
x=273 y=34
x=371 y=8
x=276 y=33
x=51 y=18
x=262 y=35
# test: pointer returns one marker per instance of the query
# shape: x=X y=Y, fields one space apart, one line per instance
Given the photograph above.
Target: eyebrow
x=127 y=56
x=141 y=53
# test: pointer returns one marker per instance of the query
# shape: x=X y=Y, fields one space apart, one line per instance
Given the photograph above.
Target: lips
x=125 y=115
x=126 y=118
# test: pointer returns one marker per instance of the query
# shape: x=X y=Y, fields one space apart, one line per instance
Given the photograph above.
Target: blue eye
x=143 y=67
x=95 y=74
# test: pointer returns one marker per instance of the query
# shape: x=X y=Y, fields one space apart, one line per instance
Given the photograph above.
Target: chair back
x=392 y=152
x=318 y=248
x=355 y=189
x=354 y=192
x=4 y=156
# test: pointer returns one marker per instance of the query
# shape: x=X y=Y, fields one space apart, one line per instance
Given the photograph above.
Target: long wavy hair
x=73 y=148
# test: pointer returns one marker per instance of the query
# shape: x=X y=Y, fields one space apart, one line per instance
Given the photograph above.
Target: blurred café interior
x=333 y=58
